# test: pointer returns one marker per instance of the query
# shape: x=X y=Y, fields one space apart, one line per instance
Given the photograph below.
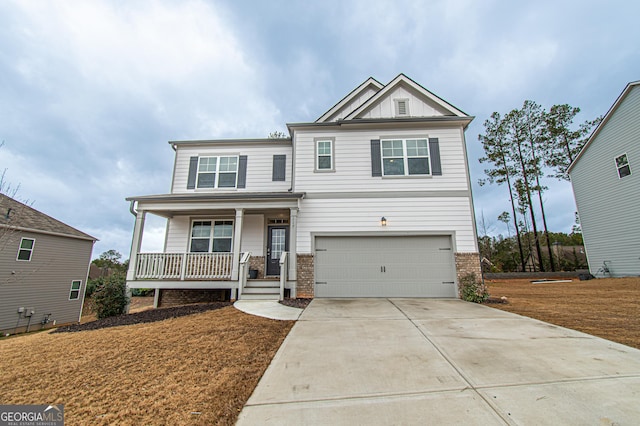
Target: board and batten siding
x=404 y=215
x=607 y=205
x=417 y=105
x=352 y=151
x=179 y=229
x=44 y=283
x=353 y=105
x=259 y=166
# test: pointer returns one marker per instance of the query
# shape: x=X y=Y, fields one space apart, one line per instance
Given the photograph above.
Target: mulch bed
x=296 y=303
x=151 y=315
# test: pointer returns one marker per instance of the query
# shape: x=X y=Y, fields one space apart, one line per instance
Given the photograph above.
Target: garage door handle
x=321 y=282
x=383 y=269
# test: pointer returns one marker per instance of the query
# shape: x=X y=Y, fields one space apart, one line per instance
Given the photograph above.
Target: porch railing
x=183 y=266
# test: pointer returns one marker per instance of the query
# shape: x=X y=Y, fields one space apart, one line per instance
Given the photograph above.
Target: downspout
x=132 y=208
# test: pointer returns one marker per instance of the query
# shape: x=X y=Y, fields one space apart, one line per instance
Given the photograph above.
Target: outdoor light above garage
x=383 y=221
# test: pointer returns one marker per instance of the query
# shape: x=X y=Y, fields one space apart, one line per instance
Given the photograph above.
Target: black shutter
x=242 y=171
x=279 y=168
x=376 y=166
x=434 y=152
x=193 y=171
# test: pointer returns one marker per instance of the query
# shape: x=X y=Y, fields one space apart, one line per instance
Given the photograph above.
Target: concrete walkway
x=425 y=361
x=268 y=309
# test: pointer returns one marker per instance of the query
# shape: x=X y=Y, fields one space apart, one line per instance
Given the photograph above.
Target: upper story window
x=217 y=172
x=402 y=107
x=211 y=236
x=405 y=157
x=324 y=155
x=26 y=249
x=622 y=163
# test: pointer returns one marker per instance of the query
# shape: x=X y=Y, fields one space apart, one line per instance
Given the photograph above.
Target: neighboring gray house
x=43 y=269
x=606 y=183
x=372 y=199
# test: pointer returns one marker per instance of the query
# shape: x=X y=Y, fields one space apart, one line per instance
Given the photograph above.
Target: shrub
x=110 y=298
x=92 y=285
x=473 y=290
x=142 y=292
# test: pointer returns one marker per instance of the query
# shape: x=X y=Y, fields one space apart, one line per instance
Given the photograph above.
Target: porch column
x=136 y=243
x=293 y=239
x=237 y=240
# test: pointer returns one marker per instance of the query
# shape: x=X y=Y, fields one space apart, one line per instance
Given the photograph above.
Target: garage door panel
x=384 y=267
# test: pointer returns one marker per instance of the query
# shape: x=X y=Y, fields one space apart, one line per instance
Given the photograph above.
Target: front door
x=277 y=242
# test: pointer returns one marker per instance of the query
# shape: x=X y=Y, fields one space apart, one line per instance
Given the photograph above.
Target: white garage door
x=421 y=266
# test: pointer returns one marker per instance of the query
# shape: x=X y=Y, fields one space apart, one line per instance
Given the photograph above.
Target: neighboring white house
x=606 y=183
x=373 y=199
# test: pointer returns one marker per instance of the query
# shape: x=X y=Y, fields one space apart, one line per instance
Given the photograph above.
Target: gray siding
x=609 y=206
x=43 y=283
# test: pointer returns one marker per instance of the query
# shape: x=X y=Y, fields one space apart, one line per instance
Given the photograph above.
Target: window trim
x=406 y=157
x=78 y=289
x=627 y=165
x=211 y=234
x=216 y=181
x=397 y=102
x=332 y=156
x=30 y=251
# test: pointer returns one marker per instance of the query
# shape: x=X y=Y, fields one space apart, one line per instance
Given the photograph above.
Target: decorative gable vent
x=402 y=107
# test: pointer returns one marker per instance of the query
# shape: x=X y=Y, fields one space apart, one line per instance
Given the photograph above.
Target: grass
x=606 y=307
x=198 y=369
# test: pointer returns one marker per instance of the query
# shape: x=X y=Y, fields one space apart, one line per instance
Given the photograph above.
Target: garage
x=389 y=266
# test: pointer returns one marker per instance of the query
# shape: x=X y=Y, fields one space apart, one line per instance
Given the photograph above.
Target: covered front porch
x=215 y=241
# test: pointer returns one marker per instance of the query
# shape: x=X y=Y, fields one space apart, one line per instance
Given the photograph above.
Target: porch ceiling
x=169 y=205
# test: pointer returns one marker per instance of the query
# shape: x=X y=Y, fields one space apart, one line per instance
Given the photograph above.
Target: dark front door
x=277 y=242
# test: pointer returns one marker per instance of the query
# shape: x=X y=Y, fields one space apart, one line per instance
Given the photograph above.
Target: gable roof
x=14 y=214
x=400 y=80
x=604 y=121
x=370 y=83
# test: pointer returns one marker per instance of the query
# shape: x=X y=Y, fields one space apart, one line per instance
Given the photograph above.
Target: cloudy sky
x=92 y=90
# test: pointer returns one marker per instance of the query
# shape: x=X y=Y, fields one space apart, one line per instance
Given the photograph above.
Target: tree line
x=520 y=148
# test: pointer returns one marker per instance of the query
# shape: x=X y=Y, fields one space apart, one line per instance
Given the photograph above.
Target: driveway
x=426 y=361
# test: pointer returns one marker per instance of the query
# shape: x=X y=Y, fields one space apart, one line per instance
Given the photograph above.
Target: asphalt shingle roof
x=15 y=213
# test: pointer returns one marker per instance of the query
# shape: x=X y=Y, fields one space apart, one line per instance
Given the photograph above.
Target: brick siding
x=305 y=280
x=468 y=263
x=257 y=263
x=183 y=297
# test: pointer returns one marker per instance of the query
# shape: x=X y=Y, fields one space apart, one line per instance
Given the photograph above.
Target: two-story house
x=373 y=199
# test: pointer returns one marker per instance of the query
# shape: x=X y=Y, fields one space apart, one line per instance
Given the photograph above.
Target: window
x=622 y=163
x=26 y=249
x=405 y=157
x=211 y=236
x=217 y=172
x=74 y=294
x=402 y=107
x=324 y=155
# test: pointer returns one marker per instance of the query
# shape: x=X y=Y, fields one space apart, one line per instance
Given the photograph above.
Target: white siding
x=259 y=166
x=428 y=214
x=418 y=106
x=252 y=235
x=353 y=163
x=608 y=206
x=178 y=234
x=353 y=105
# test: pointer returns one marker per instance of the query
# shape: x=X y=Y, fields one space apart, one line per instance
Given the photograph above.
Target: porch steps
x=261 y=290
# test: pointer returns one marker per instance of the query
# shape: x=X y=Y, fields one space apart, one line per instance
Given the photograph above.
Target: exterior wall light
x=383 y=221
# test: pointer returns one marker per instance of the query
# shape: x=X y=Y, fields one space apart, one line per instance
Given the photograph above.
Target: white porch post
x=237 y=240
x=136 y=243
x=293 y=238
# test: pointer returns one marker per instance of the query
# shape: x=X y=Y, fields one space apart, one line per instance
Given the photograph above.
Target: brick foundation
x=305 y=279
x=257 y=263
x=468 y=263
x=183 y=297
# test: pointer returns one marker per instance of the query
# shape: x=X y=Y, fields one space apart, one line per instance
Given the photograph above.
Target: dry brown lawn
x=198 y=369
x=605 y=307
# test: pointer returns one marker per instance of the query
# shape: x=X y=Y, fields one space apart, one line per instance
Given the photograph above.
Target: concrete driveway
x=425 y=361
